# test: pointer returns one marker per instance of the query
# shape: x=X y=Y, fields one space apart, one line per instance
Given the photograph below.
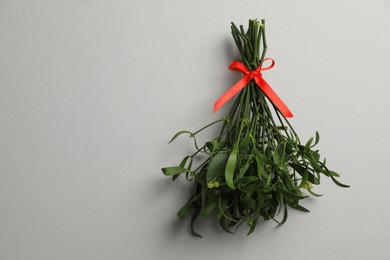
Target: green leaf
x=290 y=195
x=245 y=142
x=221 y=212
x=236 y=210
x=208 y=209
x=285 y=215
x=204 y=192
x=194 y=217
x=309 y=142
x=300 y=208
x=184 y=161
x=185 y=210
x=250 y=203
x=316 y=155
x=209 y=146
x=334 y=174
x=314 y=194
x=313 y=162
x=254 y=186
x=253 y=225
x=305 y=177
x=267 y=186
x=302 y=171
x=317 y=138
x=216 y=166
x=244 y=169
x=260 y=169
x=287 y=179
x=219 y=146
x=222 y=223
x=188 y=207
x=231 y=168
x=169 y=171
x=276 y=156
x=247 y=180
x=179 y=133
x=260 y=201
x=338 y=183
x=263 y=158
x=280 y=128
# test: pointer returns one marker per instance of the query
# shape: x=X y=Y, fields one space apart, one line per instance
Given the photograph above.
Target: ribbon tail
x=231 y=92
x=273 y=97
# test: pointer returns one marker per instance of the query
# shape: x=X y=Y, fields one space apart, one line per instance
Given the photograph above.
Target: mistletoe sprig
x=256 y=166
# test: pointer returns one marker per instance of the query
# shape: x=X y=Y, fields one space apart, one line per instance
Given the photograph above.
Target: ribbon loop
x=270 y=66
x=261 y=83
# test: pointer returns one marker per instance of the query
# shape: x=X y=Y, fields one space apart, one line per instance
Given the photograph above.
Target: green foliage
x=256 y=166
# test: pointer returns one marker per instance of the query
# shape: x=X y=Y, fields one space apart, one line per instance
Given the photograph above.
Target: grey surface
x=92 y=91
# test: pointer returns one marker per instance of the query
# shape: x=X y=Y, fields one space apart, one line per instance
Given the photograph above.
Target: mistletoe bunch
x=257 y=166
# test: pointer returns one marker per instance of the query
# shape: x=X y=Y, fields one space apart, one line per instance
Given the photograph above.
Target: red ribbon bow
x=261 y=83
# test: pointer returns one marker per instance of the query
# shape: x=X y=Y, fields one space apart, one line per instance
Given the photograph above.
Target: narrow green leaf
x=185 y=210
x=305 y=176
x=280 y=128
x=245 y=142
x=249 y=220
x=260 y=201
x=194 y=217
x=247 y=180
x=254 y=186
x=253 y=225
x=309 y=142
x=314 y=163
x=267 y=186
x=216 y=166
x=263 y=158
x=317 y=138
x=314 y=194
x=222 y=223
x=179 y=133
x=209 y=146
x=287 y=179
x=184 y=161
x=285 y=215
x=236 y=210
x=290 y=195
x=316 y=155
x=244 y=169
x=169 y=171
x=338 y=183
x=231 y=168
x=276 y=156
x=219 y=146
x=221 y=212
x=303 y=171
x=280 y=200
x=208 y=209
x=260 y=169
x=334 y=174
x=204 y=193
x=250 y=203
x=300 y=208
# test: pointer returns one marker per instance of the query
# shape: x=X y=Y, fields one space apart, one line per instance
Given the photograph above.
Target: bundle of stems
x=256 y=166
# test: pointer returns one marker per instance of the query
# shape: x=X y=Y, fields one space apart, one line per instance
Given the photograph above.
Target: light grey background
x=92 y=91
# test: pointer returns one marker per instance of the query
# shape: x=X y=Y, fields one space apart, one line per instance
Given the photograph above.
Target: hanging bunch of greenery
x=257 y=166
